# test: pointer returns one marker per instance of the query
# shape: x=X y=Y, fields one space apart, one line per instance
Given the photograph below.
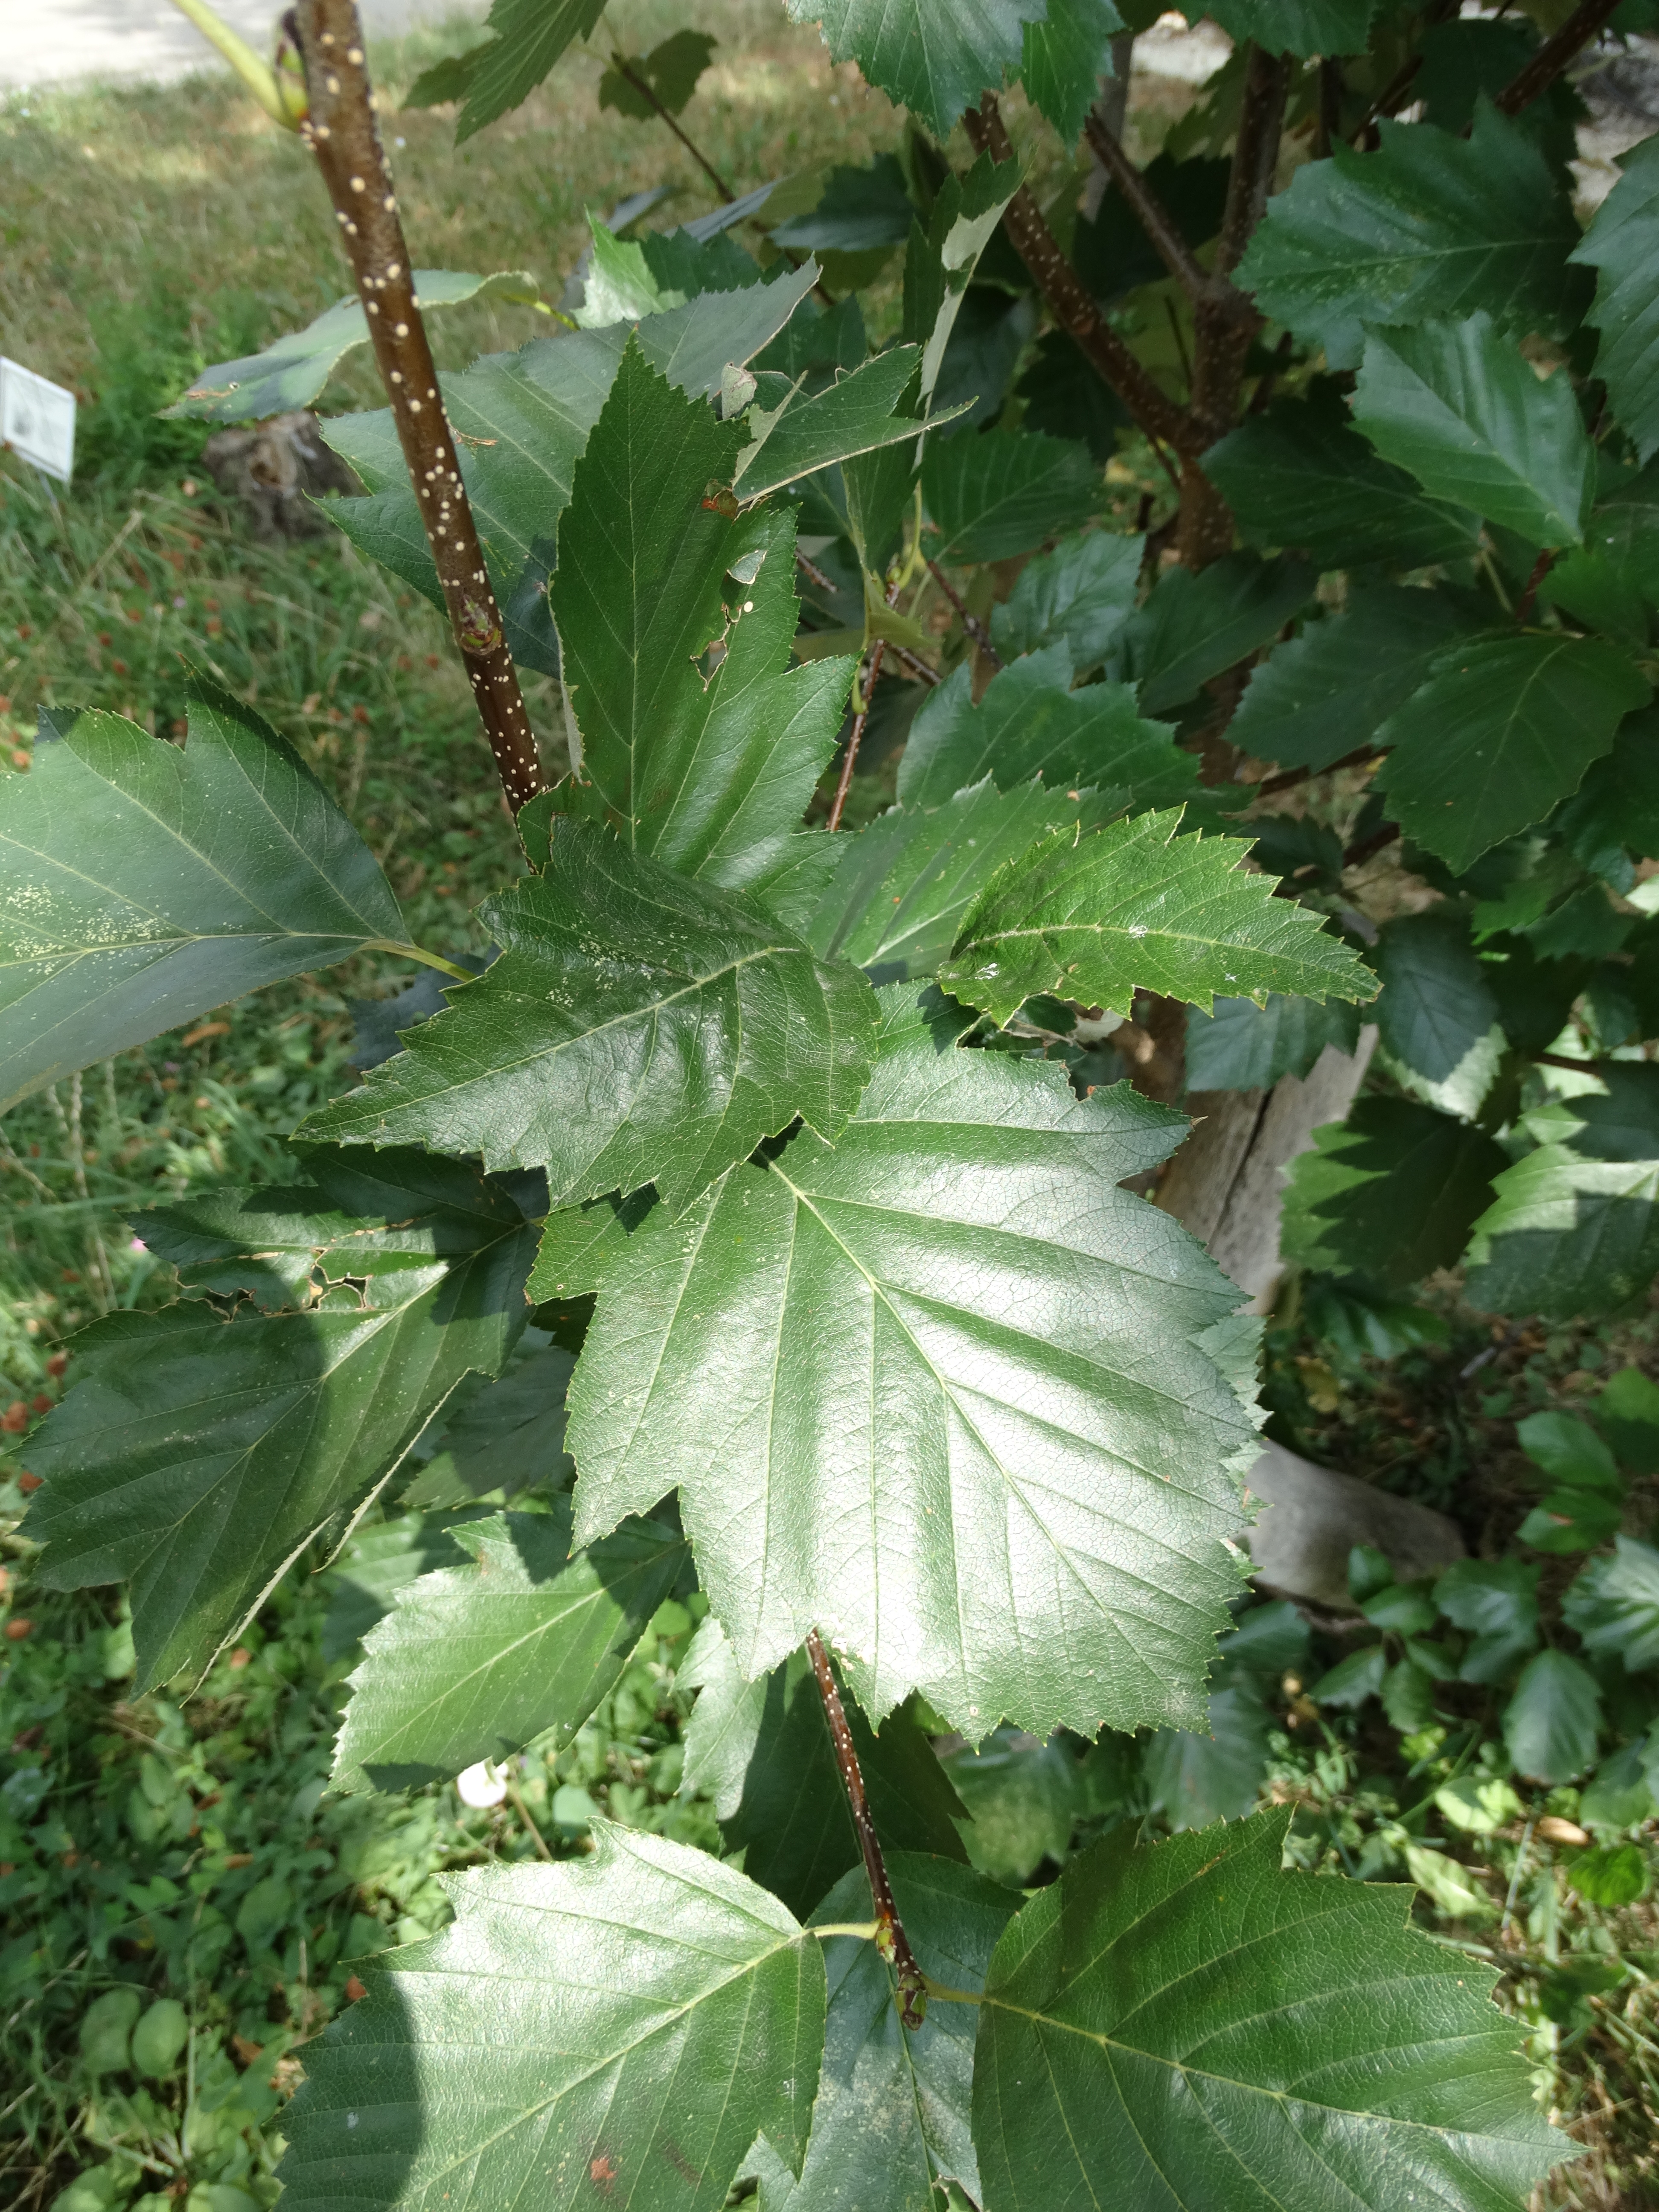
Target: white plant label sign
x=37 y=419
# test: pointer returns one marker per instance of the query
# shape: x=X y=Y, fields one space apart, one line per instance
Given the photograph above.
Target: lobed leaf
x=1391 y=1194
x=1136 y=906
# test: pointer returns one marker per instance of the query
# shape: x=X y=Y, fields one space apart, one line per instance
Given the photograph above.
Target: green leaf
x=1002 y=493
x=906 y=880
x=892 y=2125
x=378 y=1561
x=1464 y=409
x=933 y=56
x=638 y=1028
x=1212 y=2033
x=1627 y=1414
x=473 y=1661
x=1566 y=1235
x=1300 y=475
x=292 y=370
x=1436 y=1014
x=1136 y=906
x=1039 y=1439
x=1079 y=595
x=1549 y=1722
x=1298 y=27
x=671 y=70
x=1196 y=1776
x=147 y=882
x=530 y=37
x=1615 y=1875
x=859 y=210
x=1327 y=691
x=1030 y=722
x=1239 y=1046
x=1568 y=1451
x=628 y=2022
x=1621 y=1794
x=1197 y=622
x=1612 y=1606
x=1431 y=225
x=1571 y=1521
x=1352 y=1679
x=1495 y=1603
x=711 y=777
x=1024 y=1798
x=508 y=1437
x=1502 y=729
x=1391 y=1194
x=1621 y=246
x=619 y=284
x=762 y=1752
x=810 y=430
x=1065 y=57
x=199 y=1456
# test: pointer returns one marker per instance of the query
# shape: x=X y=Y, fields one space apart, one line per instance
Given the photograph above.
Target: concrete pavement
x=56 y=41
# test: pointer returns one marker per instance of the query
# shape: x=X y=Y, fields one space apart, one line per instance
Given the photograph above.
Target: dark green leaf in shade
x=1502 y=729
x=1615 y=810
x=1462 y=408
x=906 y=880
x=638 y=1028
x=1066 y=56
x=994 y=494
x=1573 y=1227
x=144 y=882
x=473 y=1662
x=530 y=37
x=1030 y=722
x=1043 y=1444
x=199 y=1456
x=1024 y=1798
x=1352 y=1679
x=1431 y=225
x=508 y=1437
x=1066 y=398
x=711 y=776
x=1195 y=1777
x=1470 y=56
x=990 y=333
x=671 y=70
x=1137 y=907
x=1612 y=1606
x=1569 y=1450
x=1197 y=622
x=935 y=56
x=1239 y=1046
x=1627 y=1414
x=377 y=1562
x=1622 y=245
x=1549 y=1722
x=1533 y=996
x=892 y=2125
x=1298 y=27
x=860 y=208
x=1391 y=1192
x=761 y=1751
x=292 y=370
x=1495 y=1603
x=1300 y=475
x=1218 y=2036
x=1327 y=691
x=1569 y=1521
x=633 y=2019
x=1436 y=1013
x=1079 y=595
x=1113 y=254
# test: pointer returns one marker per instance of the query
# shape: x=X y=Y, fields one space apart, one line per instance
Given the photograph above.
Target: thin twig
x=1553 y=56
x=870 y=676
x=1161 y=227
x=1292 y=776
x=1162 y=418
x=1366 y=848
x=890 y=1939
x=974 y=627
x=624 y=67
x=341 y=132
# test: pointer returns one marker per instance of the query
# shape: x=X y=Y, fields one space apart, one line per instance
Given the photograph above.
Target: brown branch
x=1573 y=1067
x=855 y=735
x=1162 y=229
x=1540 y=569
x=890 y=1939
x=1161 y=417
x=1291 y=776
x=971 y=623
x=1553 y=56
x=341 y=132
x=1366 y=848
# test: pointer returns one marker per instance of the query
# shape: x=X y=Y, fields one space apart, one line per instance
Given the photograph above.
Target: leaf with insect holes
x=708 y=770
x=291 y=371
x=1137 y=907
x=1502 y=729
x=624 y=2024
x=1621 y=245
x=144 y=882
x=1001 y=1474
x=1430 y=225
x=637 y=1027
x=198 y=1456
x=1030 y=722
x=935 y=56
x=1218 y=2035
x=473 y=1662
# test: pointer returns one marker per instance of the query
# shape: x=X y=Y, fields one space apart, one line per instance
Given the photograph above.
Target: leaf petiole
x=867 y=1929
x=414 y=952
